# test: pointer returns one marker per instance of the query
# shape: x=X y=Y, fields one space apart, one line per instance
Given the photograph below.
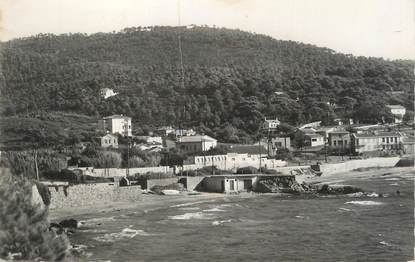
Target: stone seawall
x=91 y=194
x=361 y=163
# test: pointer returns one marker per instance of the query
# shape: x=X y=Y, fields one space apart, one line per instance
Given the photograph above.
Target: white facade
x=109 y=141
x=384 y=141
x=398 y=111
x=271 y=123
x=233 y=161
x=107 y=92
x=314 y=140
x=116 y=124
x=191 y=144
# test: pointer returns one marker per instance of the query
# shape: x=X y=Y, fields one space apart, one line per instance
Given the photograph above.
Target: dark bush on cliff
x=24 y=226
x=73 y=177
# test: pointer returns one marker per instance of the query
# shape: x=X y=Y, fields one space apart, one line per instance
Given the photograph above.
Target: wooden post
x=36 y=167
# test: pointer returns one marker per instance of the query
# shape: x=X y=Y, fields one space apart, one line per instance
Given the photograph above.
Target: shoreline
x=148 y=201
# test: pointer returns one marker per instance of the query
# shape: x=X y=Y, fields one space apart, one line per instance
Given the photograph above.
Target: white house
x=314 y=140
x=271 y=123
x=397 y=111
x=107 y=92
x=192 y=144
x=116 y=124
x=382 y=141
x=108 y=140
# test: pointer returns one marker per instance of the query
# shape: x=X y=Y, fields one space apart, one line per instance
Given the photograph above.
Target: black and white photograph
x=207 y=130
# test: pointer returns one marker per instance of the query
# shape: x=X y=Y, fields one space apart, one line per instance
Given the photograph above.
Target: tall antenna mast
x=181 y=60
x=180 y=42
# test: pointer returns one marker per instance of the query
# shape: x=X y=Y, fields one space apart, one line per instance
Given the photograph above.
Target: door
x=232 y=185
x=247 y=184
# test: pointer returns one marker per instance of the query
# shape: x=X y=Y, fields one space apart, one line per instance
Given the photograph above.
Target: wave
x=365 y=203
x=215 y=209
x=189 y=208
x=385 y=243
x=345 y=209
x=220 y=222
x=95 y=221
x=187 y=216
x=126 y=233
x=192 y=203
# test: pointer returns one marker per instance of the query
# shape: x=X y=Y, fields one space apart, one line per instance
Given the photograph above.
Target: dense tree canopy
x=230 y=82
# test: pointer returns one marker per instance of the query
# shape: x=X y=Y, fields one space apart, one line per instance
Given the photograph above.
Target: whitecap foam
x=124 y=234
x=189 y=208
x=192 y=203
x=187 y=216
x=215 y=209
x=394 y=184
x=385 y=243
x=365 y=203
x=373 y=194
x=220 y=222
x=345 y=209
x=357 y=194
x=392 y=179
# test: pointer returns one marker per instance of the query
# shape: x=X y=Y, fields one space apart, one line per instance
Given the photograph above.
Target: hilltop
x=231 y=77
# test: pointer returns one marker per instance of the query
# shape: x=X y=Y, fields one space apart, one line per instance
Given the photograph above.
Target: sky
x=379 y=28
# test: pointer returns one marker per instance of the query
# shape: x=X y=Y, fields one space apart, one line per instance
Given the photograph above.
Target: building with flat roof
x=381 y=141
x=116 y=124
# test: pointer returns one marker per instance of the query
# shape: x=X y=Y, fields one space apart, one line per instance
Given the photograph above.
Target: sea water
x=262 y=228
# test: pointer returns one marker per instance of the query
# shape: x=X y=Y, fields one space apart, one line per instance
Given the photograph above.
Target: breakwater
x=350 y=165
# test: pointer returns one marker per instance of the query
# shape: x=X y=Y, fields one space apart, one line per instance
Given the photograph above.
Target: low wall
x=361 y=163
x=111 y=172
x=161 y=182
x=91 y=194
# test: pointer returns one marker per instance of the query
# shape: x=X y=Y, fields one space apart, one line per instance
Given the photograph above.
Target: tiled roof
x=247 y=149
x=117 y=116
x=395 y=106
x=192 y=139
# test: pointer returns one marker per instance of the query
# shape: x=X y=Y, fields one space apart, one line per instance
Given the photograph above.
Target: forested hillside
x=230 y=79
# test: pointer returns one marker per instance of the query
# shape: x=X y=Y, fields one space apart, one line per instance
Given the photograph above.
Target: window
x=383 y=139
x=387 y=140
x=314 y=140
x=334 y=142
x=396 y=140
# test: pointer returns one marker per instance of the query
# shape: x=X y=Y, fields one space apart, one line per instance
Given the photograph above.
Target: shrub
x=247 y=170
x=24 y=228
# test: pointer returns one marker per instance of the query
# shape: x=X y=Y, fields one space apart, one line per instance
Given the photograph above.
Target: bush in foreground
x=24 y=228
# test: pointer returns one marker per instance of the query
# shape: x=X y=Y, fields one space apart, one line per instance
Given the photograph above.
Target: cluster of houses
x=364 y=139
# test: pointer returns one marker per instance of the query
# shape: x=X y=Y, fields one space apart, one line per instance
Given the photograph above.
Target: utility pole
x=36 y=167
x=260 y=154
x=127 y=170
x=325 y=149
